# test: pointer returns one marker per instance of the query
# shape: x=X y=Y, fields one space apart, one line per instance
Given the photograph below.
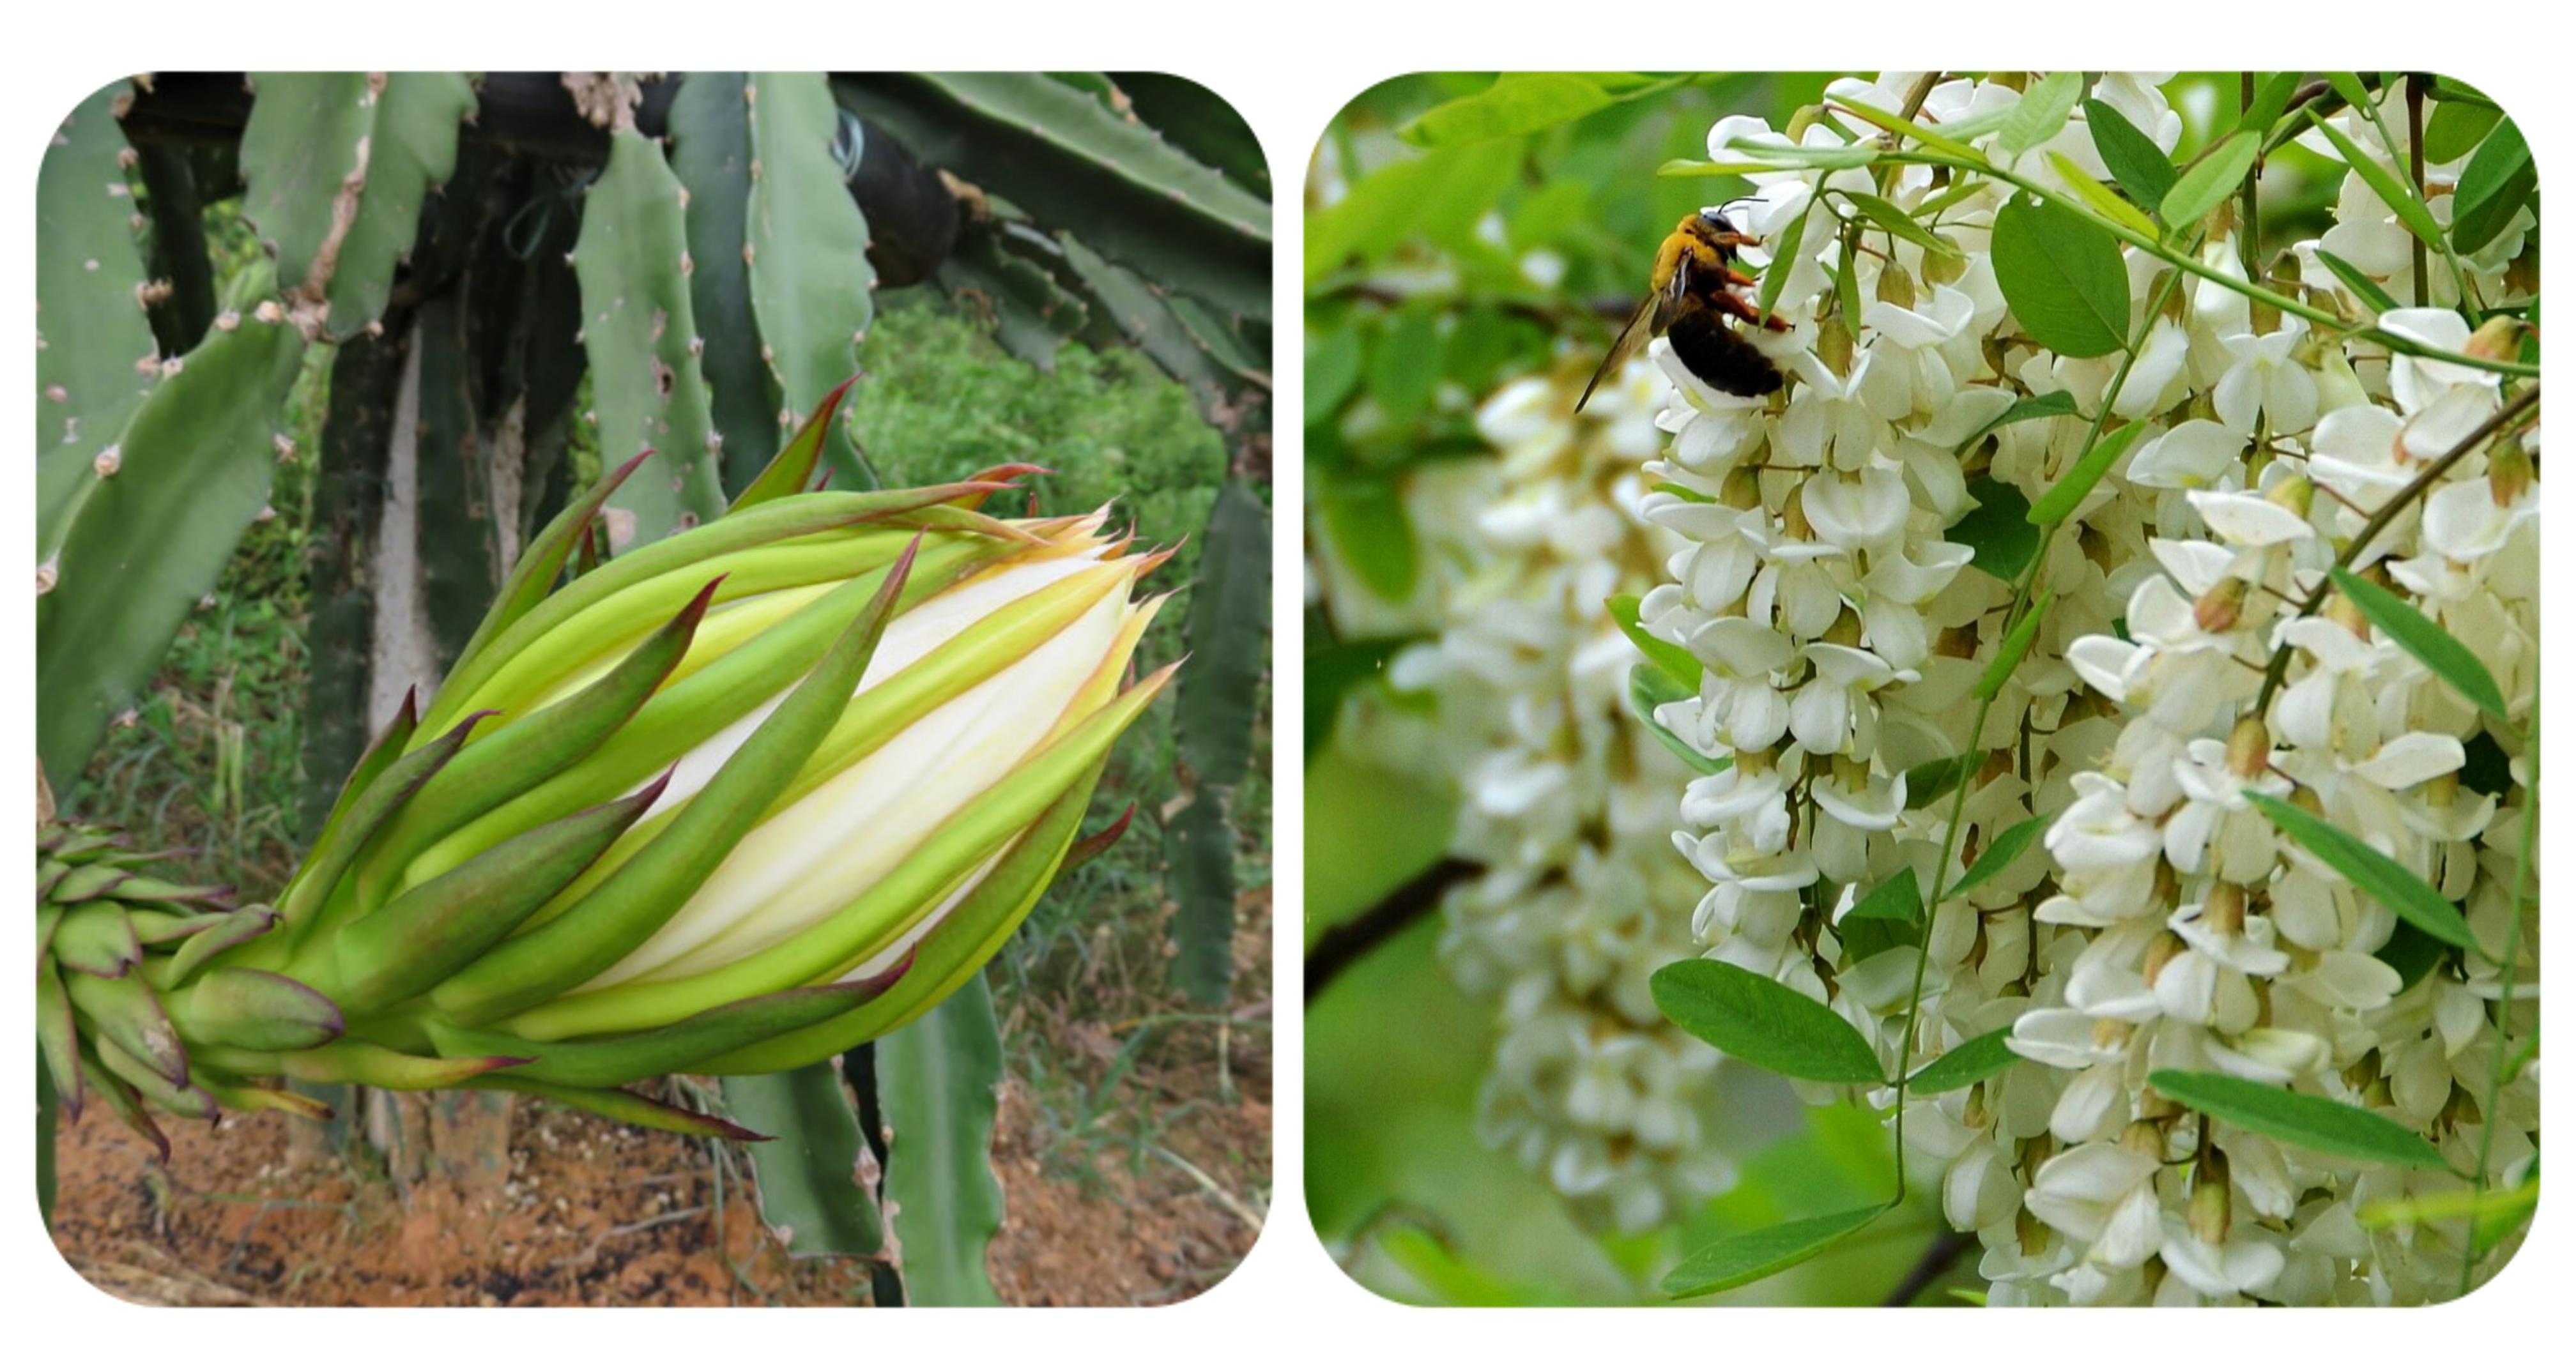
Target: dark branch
x=1943 y=1254
x=1346 y=943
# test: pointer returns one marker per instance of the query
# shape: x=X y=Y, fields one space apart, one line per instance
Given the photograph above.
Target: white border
x=1288 y=68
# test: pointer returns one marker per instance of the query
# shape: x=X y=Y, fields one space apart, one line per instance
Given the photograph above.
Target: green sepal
x=526 y=752
x=412 y=943
x=687 y=712
x=336 y=852
x=58 y=1037
x=532 y=578
x=153 y=928
x=792 y=470
x=388 y=746
x=237 y=928
x=88 y=883
x=126 y=1102
x=355 y=1062
x=49 y=871
x=617 y=916
x=262 y=1011
x=96 y=938
x=623 y=1058
x=626 y=1107
x=775 y=522
x=869 y=923
x=123 y=1011
x=246 y=1098
x=170 y=1098
x=964 y=939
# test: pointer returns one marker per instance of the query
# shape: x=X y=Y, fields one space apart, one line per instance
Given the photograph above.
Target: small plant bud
x=2294 y=493
x=2210 y=1202
x=2164 y=948
x=2223 y=908
x=2145 y=1137
x=1742 y=489
x=2509 y=471
x=1834 y=344
x=2340 y=609
x=2249 y=748
x=2497 y=340
x=1845 y=629
x=2220 y=606
x=1896 y=288
x=2033 y=1233
x=1945 y=268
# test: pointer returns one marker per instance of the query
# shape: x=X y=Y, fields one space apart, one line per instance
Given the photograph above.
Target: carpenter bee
x=1693 y=286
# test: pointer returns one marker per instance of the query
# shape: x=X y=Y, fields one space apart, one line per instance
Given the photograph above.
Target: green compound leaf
x=1749 y=1016
x=1889 y=216
x=1997 y=856
x=2395 y=194
x=2015 y=647
x=2141 y=168
x=2492 y=187
x=2371 y=292
x=2212 y=179
x=936 y=1079
x=1999 y=529
x=1740 y=1258
x=2455 y=127
x=2432 y=645
x=2060 y=500
x=2041 y=111
x=2269 y=102
x=808 y=1170
x=2379 y=876
x=1673 y=660
x=807 y=243
x=1648 y=687
x=2104 y=200
x=2312 y=1122
x=1966 y=1065
x=1367 y=529
x=1334 y=360
x=2029 y=407
x=2061 y=274
x=1926 y=782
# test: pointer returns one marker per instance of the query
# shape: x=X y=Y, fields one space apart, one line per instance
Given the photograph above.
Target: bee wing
x=1652 y=313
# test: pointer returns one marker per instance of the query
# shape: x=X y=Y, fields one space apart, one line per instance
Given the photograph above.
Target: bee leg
x=1728 y=303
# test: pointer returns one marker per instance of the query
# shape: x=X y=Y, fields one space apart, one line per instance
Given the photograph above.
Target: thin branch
x=1939 y=1257
x=2279 y=667
x=1346 y=943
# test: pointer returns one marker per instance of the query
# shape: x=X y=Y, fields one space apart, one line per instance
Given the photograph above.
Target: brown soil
x=595 y=1213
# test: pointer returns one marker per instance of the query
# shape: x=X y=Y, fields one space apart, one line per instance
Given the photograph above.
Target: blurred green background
x=1462 y=231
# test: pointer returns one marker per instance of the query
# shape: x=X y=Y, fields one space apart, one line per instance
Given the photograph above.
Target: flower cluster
x=1854 y=559
x=1564 y=801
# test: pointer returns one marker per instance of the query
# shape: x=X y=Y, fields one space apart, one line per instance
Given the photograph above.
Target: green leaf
x=1953 y=141
x=2041 y=111
x=2211 y=180
x=1333 y=671
x=1998 y=528
x=2348 y=85
x=2029 y=407
x=1671 y=659
x=2397 y=195
x=2455 y=127
x=2105 y=201
x=2379 y=876
x=2312 y=1122
x=1926 y=782
x=2061 y=274
x=2431 y=644
x=1966 y=1065
x=2411 y=954
x=1520 y=103
x=1898 y=899
x=1749 y=1016
x=2060 y=500
x=1648 y=687
x=2371 y=292
x=1826 y=156
x=1367 y=527
x=808 y=1170
x=2269 y=102
x=2016 y=645
x=2492 y=188
x=2141 y=168
x=936 y=1079
x=1404 y=365
x=1427 y=1258
x=1895 y=220
x=1776 y=273
x=1997 y=856
x=1733 y=1261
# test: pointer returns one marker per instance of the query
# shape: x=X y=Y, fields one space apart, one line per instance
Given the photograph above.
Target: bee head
x=1714 y=221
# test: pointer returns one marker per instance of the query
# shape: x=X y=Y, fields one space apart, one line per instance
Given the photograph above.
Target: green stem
x=2249 y=249
x=2504 y=996
x=1950 y=837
